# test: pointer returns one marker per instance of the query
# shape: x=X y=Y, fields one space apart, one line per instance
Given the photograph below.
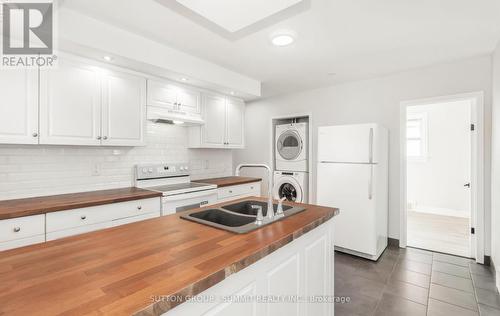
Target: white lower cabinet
x=82 y=220
x=22 y=231
x=297 y=279
x=234 y=192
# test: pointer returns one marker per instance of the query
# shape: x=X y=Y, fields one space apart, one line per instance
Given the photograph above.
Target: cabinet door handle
x=230 y=191
x=83 y=217
x=99 y=137
x=105 y=137
x=139 y=207
x=35 y=134
x=17 y=229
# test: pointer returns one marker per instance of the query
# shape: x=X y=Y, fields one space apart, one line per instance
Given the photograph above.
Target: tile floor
x=414 y=282
x=439 y=233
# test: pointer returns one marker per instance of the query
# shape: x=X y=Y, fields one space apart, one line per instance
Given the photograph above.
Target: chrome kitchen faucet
x=270 y=209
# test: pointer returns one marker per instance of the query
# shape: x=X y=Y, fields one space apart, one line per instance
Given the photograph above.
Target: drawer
x=238 y=190
x=98 y=214
x=135 y=208
x=22 y=227
x=133 y=219
x=77 y=230
x=22 y=242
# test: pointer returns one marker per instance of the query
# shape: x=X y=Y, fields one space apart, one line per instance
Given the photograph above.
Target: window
x=416 y=136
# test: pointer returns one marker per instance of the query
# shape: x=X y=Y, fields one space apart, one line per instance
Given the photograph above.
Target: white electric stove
x=174 y=182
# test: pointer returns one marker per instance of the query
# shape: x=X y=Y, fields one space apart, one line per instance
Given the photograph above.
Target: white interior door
x=214 y=114
x=235 y=122
x=70 y=105
x=19 y=106
x=123 y=109
x=346 y=143
x=347 y=186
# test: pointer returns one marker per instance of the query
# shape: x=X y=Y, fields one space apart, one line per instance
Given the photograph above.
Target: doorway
x=441 y=172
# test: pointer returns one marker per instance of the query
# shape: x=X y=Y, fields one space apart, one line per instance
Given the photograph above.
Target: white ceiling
x=355 y=39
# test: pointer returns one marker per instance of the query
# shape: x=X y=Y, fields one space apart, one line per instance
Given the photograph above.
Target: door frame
x=477 y=168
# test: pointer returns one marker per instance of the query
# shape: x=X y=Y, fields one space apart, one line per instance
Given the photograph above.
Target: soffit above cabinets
x=234 y=15
x=235 y=19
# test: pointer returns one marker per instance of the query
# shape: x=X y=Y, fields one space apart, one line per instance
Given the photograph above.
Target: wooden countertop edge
x=229 y=181
x=162 y=306
x=38 y=209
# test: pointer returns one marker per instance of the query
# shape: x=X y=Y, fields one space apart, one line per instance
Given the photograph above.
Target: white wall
x=495 y=165
x=34 y=170
x=436 y=183
x=375 y=100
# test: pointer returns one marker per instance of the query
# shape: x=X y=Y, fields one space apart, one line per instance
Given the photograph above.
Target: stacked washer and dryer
x=291 y=160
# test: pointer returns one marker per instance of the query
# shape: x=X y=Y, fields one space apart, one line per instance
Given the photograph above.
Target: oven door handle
x=190 y=195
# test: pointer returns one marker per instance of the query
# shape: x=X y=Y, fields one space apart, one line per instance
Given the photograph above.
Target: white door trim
x=477 y=168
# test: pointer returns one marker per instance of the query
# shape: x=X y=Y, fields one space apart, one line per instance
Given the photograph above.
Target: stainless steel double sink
x=239 y=217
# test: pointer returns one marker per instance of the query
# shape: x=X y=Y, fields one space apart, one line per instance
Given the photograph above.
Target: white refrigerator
x=352 y=169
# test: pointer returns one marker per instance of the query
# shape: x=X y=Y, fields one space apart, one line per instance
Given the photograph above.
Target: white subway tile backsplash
x=35 y=170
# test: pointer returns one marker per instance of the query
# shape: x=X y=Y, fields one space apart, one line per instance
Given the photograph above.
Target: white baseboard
x=440 y=211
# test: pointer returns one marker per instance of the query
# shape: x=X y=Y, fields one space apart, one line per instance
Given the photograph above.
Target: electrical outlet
x=96 y=169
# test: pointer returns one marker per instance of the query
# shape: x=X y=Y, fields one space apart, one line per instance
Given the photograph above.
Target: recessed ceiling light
x=283 y=38
x=184 y=79
x=108 y=58
x=177 y=122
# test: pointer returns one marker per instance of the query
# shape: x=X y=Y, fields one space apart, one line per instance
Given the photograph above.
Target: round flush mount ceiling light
x=283 y=38
x=184 y=79
x=108 y=58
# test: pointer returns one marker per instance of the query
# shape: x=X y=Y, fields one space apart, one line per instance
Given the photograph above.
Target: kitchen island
x=152 y=267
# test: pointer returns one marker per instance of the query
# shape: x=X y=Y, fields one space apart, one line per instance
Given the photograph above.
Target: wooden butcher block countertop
x=54 y=203
x=228 y=181
x=119 y=271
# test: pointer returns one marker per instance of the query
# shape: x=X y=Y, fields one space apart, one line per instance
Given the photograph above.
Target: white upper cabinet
x=214 y=115
x=175 y=98
x=18 y=106
x=224 y=123
x=70 y=105
x=123 y=109
x=189 y=101
x=85 y=103
x=235 y=118
x=162 y=95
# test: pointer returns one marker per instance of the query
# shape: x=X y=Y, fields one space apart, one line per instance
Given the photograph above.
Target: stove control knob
x=150 y=170
x=181 y=168
x=186 y=168
x=144 y=170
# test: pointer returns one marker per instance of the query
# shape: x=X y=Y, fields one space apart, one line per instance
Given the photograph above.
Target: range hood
x=168 y=116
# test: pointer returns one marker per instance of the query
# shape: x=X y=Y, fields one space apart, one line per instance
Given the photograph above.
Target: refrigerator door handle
x=370 y=184
x=370 y=146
